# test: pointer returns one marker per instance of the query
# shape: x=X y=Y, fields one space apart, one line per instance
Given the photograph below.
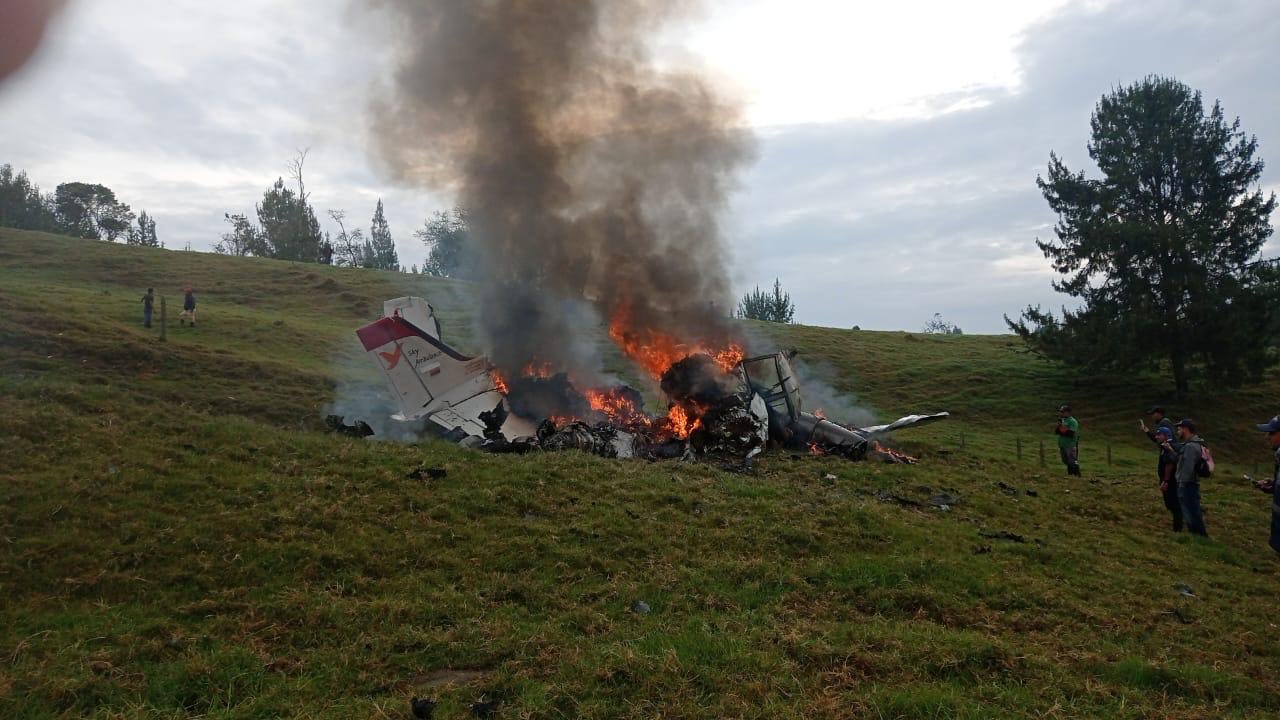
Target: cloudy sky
x=898 y=142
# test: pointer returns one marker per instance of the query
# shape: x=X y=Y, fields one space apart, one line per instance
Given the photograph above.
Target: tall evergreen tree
x=1161 y=249
x=145 y=232
x=382 y=245
x=289 y=226
x=769 y=306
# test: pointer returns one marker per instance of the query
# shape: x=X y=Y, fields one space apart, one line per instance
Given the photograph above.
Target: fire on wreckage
x=721 y=404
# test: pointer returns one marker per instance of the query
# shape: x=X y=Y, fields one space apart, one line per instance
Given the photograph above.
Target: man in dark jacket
x=1158 y=420
x=1165 y=467
x=148 y=305
x=188 y=308
x=1188 y=477
x=1272 y=429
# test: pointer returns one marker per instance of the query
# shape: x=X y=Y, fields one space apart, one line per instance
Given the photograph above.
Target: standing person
x=1272 y=429
x=148 y=304
x=188 y=308
x=1158 y=420
x=1165 y=467
x=1068 y=432
x=1188 y=477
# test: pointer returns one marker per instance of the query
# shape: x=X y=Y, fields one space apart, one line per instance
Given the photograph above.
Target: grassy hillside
x=177 y=537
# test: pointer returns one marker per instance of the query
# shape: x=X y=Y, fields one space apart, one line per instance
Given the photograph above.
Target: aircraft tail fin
x=425 y=375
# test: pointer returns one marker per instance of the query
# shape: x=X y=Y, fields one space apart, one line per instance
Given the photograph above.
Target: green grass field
x=179 y=538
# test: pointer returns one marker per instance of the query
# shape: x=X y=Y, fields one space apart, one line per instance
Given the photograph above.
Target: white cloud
x=899 y=141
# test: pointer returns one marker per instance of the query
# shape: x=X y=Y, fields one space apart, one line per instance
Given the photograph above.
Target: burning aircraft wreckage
x=721 y=404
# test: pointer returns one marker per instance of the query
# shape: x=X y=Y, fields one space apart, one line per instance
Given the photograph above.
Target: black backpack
x=1204 y=464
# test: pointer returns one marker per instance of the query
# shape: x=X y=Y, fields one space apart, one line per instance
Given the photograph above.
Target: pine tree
x=381 y=242
x=289 y=226
x=1161 y=250
x=145 y=232
x=774 y=306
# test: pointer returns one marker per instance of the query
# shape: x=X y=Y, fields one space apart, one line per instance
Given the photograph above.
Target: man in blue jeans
x=148 y=305
x=1272 y=429
x=1166 y=464
x=1188 y=477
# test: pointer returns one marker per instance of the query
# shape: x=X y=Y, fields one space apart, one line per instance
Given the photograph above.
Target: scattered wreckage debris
x=722 y=406
x=885 y=496
x=1002 y=535
x=484 y=708
x=337 y=424
x=422 y=472
x=1010 y=536
x=942 y=501
x=422 y=708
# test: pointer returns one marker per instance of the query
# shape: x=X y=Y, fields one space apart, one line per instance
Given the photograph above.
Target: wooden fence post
x=164 y=321
x=1041 y=453
x=962 y=440
x=1108 y=452
x=1019 y=448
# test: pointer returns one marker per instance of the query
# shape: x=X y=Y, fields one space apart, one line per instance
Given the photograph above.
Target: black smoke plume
x=589 y=173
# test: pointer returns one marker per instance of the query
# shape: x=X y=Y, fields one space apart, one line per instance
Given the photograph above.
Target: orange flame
x=536 y=369
x=681 y=424
x=890 y=455
x=656 y=351
x=617 y=407
x=499 y=382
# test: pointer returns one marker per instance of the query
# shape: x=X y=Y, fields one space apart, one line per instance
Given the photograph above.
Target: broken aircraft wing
x=906 y=422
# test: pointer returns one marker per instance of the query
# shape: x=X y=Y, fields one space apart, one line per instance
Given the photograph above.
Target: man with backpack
x=1272 y=429
x=1194 y=462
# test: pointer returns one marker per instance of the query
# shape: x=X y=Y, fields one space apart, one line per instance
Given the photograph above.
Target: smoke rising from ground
x=818 y=394
x=588 y=173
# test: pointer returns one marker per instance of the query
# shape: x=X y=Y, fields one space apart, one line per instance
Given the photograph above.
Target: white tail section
x=430 y=379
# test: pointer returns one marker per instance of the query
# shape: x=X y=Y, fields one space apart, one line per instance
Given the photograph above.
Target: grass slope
x=177 y=537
